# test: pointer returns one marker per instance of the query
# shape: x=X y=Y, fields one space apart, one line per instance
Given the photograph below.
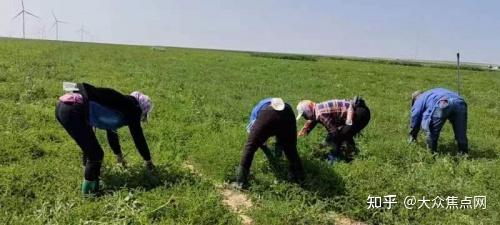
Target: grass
x=408 y=62
x=202 y=101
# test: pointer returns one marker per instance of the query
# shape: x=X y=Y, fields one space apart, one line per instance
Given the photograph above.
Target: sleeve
x=140 y=140
x=250 y=125
x=417 y=111
x=114 y=142
x=308 y=126
x=253 y=117
x=254 y=114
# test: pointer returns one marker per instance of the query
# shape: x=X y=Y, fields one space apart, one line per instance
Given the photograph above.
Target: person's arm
x=255 y=113
x=114 y=142
x=417 y=111
x=249 y=126
x=308 y=126
x=140 y=140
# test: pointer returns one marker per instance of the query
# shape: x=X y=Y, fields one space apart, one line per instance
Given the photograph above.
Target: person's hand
x=411 y=139
x=301 y=134
x=331 y=159
x=149 y=165
x=412 y=136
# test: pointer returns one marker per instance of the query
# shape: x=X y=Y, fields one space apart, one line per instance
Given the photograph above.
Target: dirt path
x=237 y=201
x=343 y=220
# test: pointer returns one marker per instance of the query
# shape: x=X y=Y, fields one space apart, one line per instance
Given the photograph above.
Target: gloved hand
x=412 y=136
x=149 y=165
x=411 y=139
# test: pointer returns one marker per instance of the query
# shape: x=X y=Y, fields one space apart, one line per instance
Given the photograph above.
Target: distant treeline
x=410 y=63
x=372 y=60
x=285 y=56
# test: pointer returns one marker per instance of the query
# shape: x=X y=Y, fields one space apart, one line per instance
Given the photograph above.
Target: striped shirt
x=332 y=114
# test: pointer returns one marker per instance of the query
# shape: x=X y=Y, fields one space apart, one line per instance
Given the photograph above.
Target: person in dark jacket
x=431 y=109
x=278 y=104
x=86 y=107
x=343 y=119
x=271 y=117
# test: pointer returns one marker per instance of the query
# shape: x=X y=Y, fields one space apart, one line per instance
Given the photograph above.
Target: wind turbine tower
x=56 y=24
x=82 y=31
x=23 y=12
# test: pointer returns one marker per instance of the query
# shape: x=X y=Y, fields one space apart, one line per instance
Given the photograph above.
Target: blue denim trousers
x=454 y=110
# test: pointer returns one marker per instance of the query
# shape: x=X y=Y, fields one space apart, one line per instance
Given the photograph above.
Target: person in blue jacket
x=277 y=103
x=431 y=109
x=270 y=117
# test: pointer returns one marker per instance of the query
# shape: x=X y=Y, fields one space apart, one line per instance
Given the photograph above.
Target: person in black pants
x=272 y=120
x=344 y=137
x=87 y=107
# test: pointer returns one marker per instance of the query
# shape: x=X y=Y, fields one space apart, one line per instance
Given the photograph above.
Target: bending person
x=343 y=119
x=431 y=109
x=271 y=117
x=87 y=107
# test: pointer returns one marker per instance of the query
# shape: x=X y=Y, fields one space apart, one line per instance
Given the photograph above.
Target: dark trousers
x=274 y=123
x=346 y=133
x=72 y=118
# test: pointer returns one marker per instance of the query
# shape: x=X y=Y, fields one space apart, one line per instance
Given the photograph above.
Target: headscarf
x=144 y=103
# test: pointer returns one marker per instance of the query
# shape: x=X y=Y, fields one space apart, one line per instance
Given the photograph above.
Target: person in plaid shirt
x=343 y=119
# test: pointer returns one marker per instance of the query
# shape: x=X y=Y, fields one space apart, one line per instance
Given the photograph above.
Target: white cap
x=69 y=86
x=303 y=106
x=277 y=104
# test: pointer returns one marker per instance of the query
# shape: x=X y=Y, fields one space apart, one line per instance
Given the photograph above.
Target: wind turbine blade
x=18 y=14
x=22 y=3
x=53 y=15
x=33 y=15
x=60 y=21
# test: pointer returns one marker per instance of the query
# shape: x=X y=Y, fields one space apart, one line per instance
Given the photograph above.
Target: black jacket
x=125 y=104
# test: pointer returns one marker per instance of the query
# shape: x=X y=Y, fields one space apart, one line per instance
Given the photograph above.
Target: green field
x=202 y=100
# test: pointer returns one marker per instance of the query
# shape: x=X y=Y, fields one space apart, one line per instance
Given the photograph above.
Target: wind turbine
x=23 y=12
x=82 y=31
x=42 y=32
x=56 y=24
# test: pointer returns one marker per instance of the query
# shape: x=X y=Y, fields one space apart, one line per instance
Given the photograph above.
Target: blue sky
x=432 y=30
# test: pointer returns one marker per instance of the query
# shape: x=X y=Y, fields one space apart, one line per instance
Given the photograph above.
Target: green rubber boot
x=90 y=187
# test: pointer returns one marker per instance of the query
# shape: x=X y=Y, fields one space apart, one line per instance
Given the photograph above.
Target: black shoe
x=241 y=177
x=296 y=175
x=463 y=148
x=236 y=185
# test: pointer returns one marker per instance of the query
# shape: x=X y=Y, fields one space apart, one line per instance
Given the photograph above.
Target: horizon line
x=270 y=52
